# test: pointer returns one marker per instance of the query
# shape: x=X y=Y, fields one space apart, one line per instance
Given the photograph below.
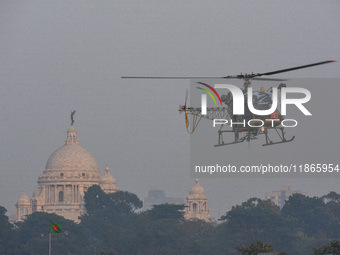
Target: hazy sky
x=57 y=56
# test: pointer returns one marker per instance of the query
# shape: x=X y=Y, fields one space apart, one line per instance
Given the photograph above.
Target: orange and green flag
x=55 y=227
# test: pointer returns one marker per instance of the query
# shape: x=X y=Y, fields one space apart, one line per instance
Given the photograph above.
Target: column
x=71 y=194
x=49 y=194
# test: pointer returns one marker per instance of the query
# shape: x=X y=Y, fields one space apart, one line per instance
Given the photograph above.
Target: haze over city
x=61 y=56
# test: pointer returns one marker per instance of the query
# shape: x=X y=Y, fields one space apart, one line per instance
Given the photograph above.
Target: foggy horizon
x=63 y=56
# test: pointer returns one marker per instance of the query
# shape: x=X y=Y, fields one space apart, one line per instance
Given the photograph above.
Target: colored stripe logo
x=209 y=93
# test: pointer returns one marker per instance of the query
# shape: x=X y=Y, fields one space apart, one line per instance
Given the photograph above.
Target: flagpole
x=49 y=246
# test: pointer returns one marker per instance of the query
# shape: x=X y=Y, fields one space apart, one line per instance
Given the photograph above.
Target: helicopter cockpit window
x=262 y=100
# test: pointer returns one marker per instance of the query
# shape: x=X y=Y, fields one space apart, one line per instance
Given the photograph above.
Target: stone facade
x=68 y=173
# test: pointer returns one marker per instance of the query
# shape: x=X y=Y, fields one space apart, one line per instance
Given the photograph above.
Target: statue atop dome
x=72 y=114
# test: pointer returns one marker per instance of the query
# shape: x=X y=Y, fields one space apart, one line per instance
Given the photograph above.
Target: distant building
x=197 y=204
x=157 y=197
x=68 y=173
x=281 y=196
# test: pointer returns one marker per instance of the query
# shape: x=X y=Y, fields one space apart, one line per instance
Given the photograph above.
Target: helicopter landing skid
x=252 y=136
x=282 y=137
x=222 y=144
x=249 y=136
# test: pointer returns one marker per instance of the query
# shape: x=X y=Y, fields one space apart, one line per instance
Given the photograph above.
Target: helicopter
x=253 y=125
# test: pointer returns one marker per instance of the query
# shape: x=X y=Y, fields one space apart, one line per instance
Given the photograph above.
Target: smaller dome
x=71 y=129
x=197 y=190
x=107 y=182
x=72 y=136
x=24 y=199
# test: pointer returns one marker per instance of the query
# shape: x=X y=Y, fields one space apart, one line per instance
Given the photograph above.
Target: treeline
x=115 y=225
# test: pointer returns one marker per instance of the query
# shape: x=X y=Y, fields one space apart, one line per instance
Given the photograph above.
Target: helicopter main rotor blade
x=269 y=79
x=179 y=78
x=172 y=77
x=295 y=68
x=241 y=76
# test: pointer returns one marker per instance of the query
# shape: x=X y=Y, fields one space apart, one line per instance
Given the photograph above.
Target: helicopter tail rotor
x=195 y=118
x=182 y=108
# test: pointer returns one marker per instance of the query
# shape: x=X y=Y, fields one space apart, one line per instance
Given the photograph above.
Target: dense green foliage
x=333 y=248
x=255 y=248
x=114 y=224
x=7 y=235
x=33 y=235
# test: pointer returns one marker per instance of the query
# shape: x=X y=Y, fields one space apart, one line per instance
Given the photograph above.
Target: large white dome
x=72 y=157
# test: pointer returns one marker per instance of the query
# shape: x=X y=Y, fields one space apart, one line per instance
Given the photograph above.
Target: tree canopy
x=255 y=248
x=114 y=224
x=332 y=248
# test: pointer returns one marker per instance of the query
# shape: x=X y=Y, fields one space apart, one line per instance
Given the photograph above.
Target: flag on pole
x=55 y=227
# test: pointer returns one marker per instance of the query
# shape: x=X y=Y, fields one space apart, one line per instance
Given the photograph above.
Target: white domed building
x=197 y=204
x=69 y=172
x=107 y=182
x=24 y=205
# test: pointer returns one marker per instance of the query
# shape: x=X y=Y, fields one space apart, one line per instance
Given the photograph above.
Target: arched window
x=194 y=206
x=26 y=211
x=61 y=196
x=21 y=212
